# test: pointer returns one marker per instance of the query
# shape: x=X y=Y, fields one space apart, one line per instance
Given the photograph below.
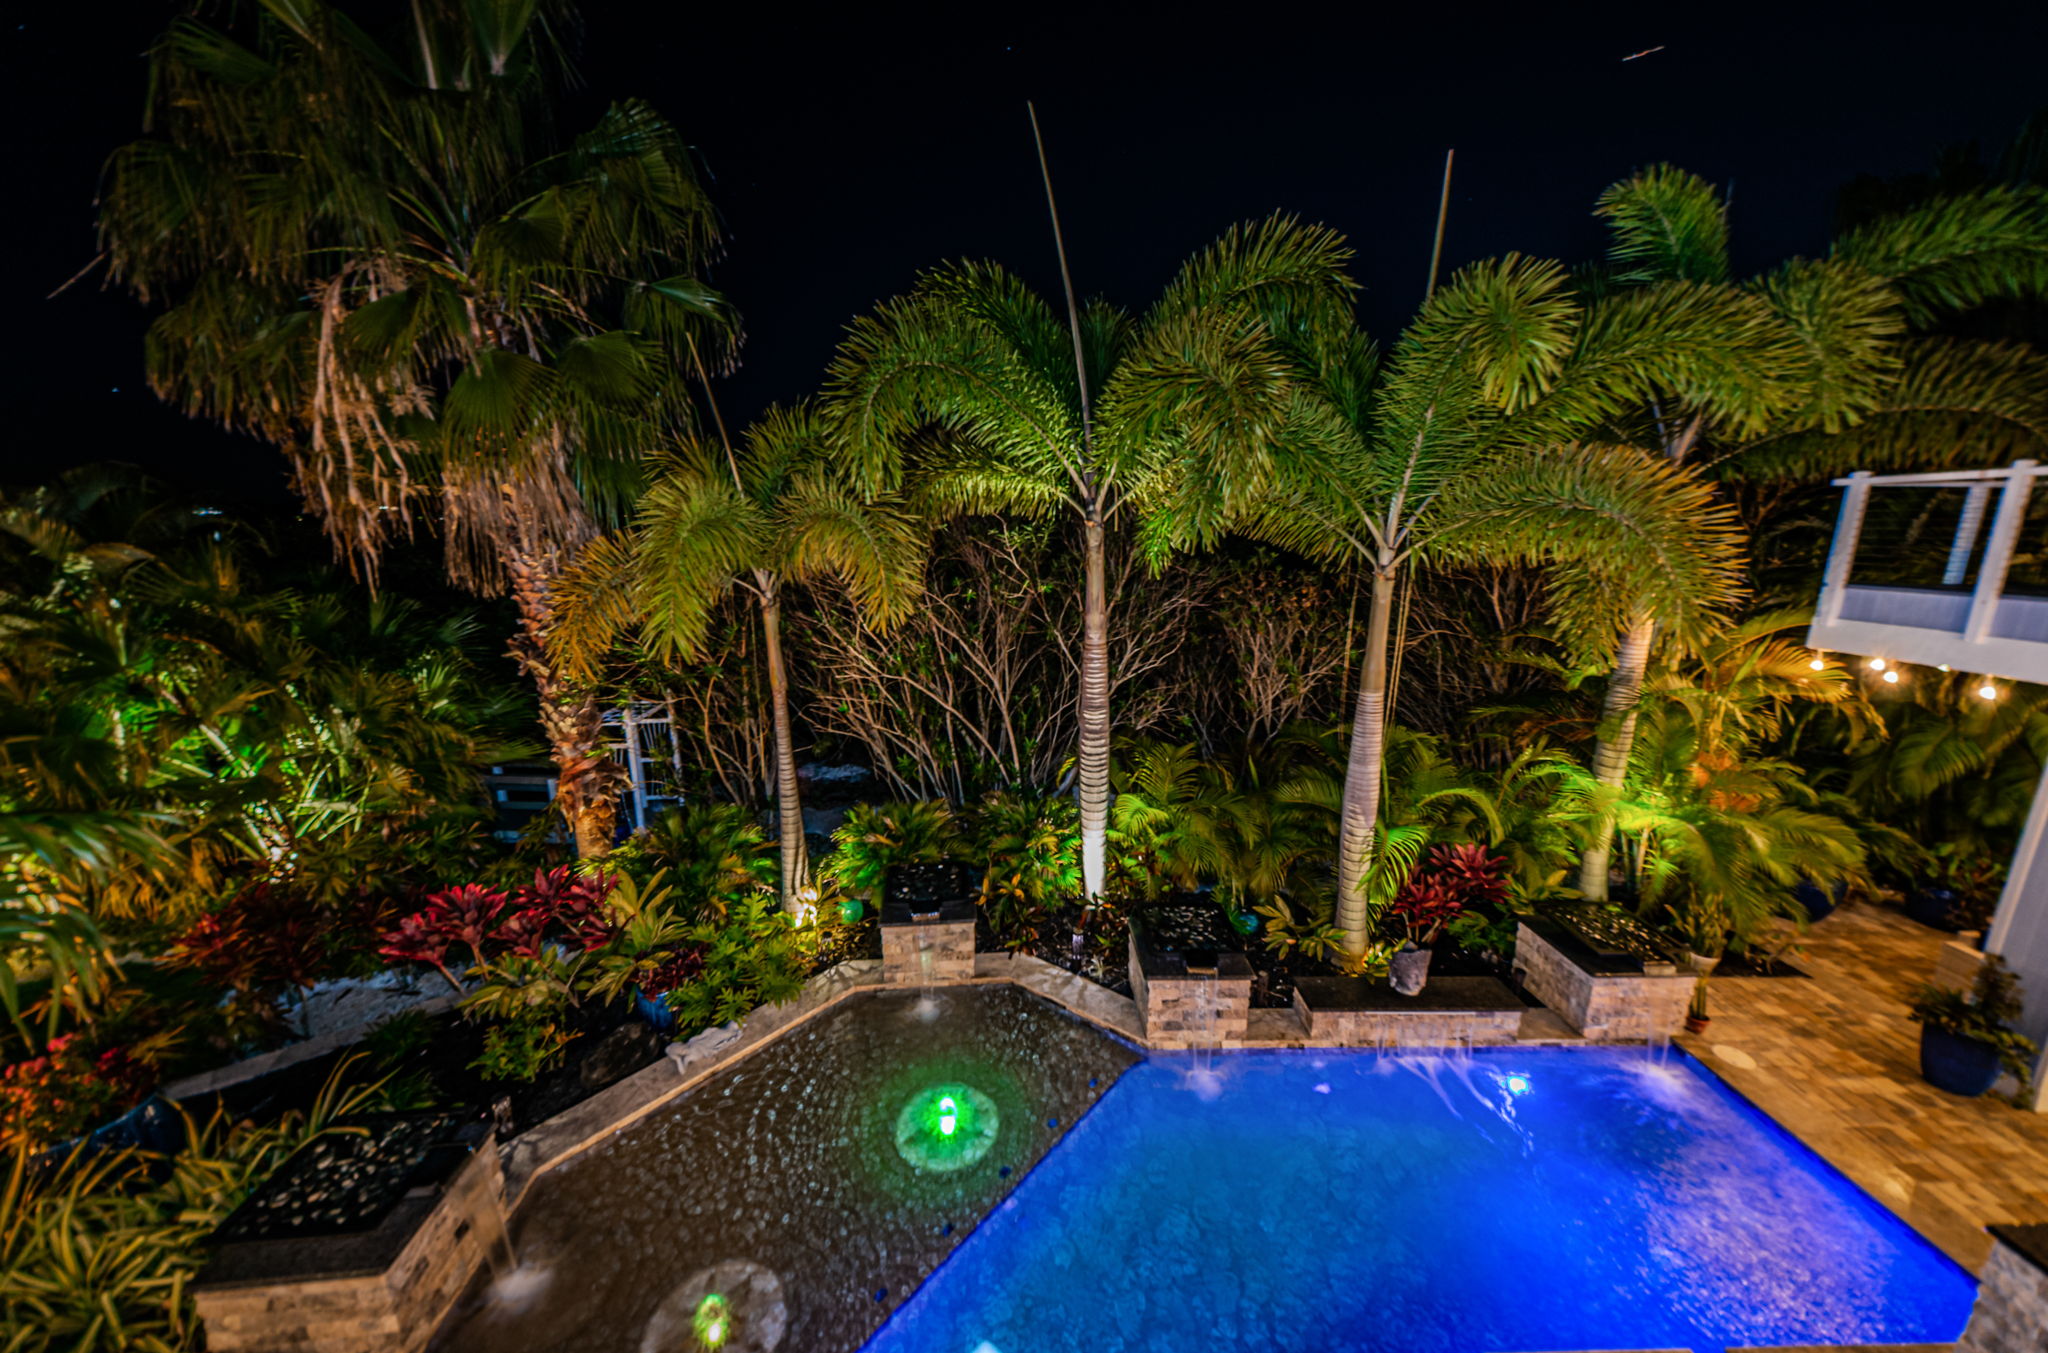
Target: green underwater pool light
x=712 y=1320
x=946 y=1127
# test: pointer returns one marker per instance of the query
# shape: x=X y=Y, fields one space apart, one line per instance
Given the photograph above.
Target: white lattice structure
x=641 y=736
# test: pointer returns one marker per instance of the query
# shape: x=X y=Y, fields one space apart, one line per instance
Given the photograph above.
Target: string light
x=1944 y=667
x=1877 y=664
x=1987 y=691
x=1891 y=678
x=1819 y=664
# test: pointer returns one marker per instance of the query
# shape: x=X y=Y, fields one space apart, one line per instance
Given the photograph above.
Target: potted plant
x=1816 y=901
x=1967 y=1039
x=1701 y=924
x=1422 y=908
x=1696 y=1016
x=1959 y=889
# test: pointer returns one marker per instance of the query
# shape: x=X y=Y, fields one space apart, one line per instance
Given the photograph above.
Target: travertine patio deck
x=1836 y=1061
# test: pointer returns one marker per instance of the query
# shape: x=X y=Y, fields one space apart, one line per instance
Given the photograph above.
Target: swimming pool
x=1507 y=1200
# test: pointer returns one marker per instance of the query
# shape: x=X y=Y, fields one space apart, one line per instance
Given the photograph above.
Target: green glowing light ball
x=850 y=910
x=946 y=1127
x=712 y=1320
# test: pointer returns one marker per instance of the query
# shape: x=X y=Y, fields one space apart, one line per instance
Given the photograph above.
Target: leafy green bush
x=878 y=836
x=1031 y=850
x=520 y=1049
x=753 y=957
x=712 y=853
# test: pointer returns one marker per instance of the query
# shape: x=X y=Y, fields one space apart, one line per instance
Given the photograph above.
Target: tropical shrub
x=520 y=1049
x=753 y=956
x=69 y=1089
x=1452 y=882
x=651 y=945
x=1031 y=849
x=712 y=854
x=878 y=836
x=1169 y=820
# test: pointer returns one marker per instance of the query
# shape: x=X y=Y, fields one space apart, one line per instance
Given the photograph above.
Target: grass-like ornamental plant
x=99 y=1253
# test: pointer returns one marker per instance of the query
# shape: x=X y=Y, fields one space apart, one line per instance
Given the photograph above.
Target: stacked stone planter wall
x=380 y=1291
x=2012 y=1294
x=914 y=952
x=1610 y=1006
x=1352 y=1012
x=1182 y=1009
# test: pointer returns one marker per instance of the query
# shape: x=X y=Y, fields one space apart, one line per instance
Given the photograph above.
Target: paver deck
x=1836 y=1061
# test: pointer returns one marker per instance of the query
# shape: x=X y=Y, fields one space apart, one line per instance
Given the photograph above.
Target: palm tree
x=969 y=389
x=776 y=510
x=1462 y=448
x=1853 y=386
x=382 y=263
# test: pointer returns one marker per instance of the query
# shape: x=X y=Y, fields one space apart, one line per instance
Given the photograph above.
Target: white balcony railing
x=1953 y=619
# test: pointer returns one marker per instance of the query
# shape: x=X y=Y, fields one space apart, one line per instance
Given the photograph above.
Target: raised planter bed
x=1190 y=991
x=360 y=1243
x=1606 y=994
x=927 y=924
x=1355 y=1012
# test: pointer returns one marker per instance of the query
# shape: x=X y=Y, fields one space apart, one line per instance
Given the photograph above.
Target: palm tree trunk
x=1092 y=765
x=1364 y=770
x=1610 y=753
x=789 y=808
x=586 y=777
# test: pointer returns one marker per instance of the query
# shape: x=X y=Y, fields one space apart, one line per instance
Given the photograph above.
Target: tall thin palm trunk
x=1617 y=739
x=789 y=808
x=1365 y=769
x=1092 y=764
x=586 y=777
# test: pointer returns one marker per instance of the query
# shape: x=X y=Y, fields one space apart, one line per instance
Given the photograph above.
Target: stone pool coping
x=688 y=1065
x=550 y=1143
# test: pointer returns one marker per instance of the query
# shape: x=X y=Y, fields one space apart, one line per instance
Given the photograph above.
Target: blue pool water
x=1512 y=1200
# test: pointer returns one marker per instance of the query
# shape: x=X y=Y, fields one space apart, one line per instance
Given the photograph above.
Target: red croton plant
x=1451 y=881
x=489 y=922
x=60 y=1094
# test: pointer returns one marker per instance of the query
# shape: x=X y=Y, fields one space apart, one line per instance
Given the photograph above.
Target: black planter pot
x=1959 y=1065
x=1933 y=906
x=1817 y=900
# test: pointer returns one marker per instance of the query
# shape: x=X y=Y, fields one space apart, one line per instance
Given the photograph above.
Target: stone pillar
x=1179 y=1008
x=928 y=913
x=916 y=953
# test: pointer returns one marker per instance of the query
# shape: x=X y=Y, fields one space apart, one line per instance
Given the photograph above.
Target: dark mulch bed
x=1102 y=957
x=609 y=1043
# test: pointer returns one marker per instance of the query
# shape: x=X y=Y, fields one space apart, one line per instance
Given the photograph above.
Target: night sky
x=849 y=152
